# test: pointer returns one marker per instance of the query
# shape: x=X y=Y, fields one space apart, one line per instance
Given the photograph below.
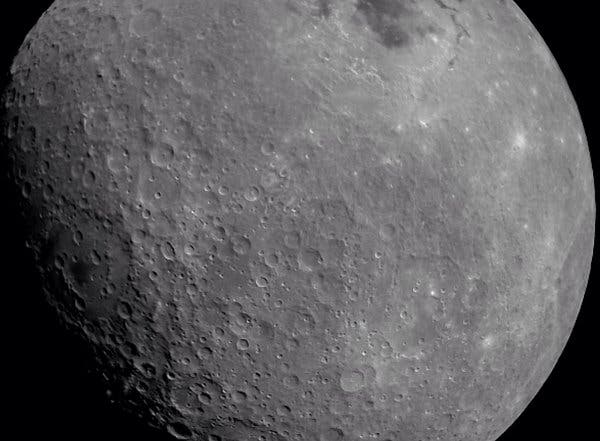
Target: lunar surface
x=309 y=220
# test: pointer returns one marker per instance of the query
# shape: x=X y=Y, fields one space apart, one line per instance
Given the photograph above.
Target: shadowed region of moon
x=304 y=219
x=324 y=8
x=384 y=18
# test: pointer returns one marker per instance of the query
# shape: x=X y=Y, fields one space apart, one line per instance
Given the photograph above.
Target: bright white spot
x=387 y=160
x=520 y=140
x=488 y=341
x=550 y=242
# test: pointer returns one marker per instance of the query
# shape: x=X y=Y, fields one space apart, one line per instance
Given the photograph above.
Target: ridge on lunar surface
x=305 y=219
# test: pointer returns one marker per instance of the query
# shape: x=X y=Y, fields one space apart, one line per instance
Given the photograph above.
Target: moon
x=304 y=219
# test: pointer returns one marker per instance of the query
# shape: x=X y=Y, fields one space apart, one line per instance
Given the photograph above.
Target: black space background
x=46 y=396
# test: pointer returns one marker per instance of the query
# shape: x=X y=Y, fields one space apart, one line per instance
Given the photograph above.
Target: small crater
x=97 y=124
x=251 y=194
x=309 y=259
x=332 y=434
x=179 y=430
x=241 y=245
x=124 y=310
x=387 y=232
x=291 y=381
x=238 y=396
x=352 y=380
x=292 y=240
x=47 y=94
x=162 y=155
x=168 y=251
x=242 y=344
